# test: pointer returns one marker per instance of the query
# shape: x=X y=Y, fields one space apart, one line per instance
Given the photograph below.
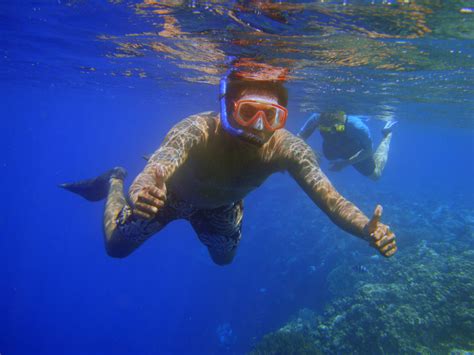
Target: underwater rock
x=286 y=343
x=421 y=301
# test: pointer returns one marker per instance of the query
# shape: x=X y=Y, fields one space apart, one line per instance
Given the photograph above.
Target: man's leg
x=123 y=232
x=381 y=156
x=220 y=230
x=121 y=238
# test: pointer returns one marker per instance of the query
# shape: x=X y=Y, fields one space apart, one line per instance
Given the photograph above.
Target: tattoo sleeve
x=173 y=152
x=302 y=164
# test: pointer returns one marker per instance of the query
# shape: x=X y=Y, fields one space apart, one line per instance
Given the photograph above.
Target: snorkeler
x=347 y=141
x=208 y=163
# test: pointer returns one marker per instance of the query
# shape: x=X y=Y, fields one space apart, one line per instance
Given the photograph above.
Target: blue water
x=63 y=121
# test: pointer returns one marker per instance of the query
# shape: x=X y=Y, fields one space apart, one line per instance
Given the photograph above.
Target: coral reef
x=420 y=301
x=286 y=343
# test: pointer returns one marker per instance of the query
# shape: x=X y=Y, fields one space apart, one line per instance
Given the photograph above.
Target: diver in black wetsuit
x=347 y=141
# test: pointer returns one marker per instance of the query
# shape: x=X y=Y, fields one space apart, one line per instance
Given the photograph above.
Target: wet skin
x=202 y=165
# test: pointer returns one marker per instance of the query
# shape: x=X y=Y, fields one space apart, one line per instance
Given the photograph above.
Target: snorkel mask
x=256 y=114
x=332 y=122
x=335 y=128
x=260 y=115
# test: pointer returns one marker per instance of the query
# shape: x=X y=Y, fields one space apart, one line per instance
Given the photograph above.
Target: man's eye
x=270 y=113
x=248 y=110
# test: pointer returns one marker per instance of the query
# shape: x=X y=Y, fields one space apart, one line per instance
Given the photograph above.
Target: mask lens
x=271 y=115
x=335 y=128
x=247 y=111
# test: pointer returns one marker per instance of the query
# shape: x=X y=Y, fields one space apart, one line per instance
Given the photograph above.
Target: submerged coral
x=421 y=301
x=286 y=343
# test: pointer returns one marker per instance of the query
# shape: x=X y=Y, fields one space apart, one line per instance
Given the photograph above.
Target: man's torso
x=223 y=171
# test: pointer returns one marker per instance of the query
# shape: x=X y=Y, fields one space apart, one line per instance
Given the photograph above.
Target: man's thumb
x=160 y=176
x=375 y=218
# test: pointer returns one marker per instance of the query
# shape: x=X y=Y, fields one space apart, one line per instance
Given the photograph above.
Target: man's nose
x=259 y=122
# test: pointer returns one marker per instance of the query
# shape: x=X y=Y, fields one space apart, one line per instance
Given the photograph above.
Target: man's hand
x=151 y=199
x=380 y=235
x=338 y=165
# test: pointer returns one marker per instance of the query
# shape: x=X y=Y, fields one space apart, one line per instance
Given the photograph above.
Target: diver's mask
x=260 y=114
x=339 y=128
x=332 y=122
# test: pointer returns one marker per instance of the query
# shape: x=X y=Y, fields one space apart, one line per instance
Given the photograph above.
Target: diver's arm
x=173 y=152
x=309 y=126
x=302 y=164
x=359 y=156
x=340 y=164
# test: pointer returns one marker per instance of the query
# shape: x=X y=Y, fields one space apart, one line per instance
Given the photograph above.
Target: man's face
x=333 y=122
x=259 y=115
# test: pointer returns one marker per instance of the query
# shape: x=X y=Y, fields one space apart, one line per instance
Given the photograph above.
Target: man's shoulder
x=284 y=140
x=206 y=115
x=195 y=125
x=207 y=120
x=357 y=122
x=290 y=149
x=283 y=134
x=355 y=119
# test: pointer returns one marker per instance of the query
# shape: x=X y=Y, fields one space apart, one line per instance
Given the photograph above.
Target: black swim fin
x=95 y=189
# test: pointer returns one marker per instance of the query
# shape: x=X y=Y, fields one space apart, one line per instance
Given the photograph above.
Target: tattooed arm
x=301 y=162
x=148 y=190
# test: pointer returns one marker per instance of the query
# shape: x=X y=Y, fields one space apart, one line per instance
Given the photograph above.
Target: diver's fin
x=388 y=127
x=95 y=189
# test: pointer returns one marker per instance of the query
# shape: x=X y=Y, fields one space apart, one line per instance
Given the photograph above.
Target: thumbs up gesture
x=379 y=235
x=151 y=199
